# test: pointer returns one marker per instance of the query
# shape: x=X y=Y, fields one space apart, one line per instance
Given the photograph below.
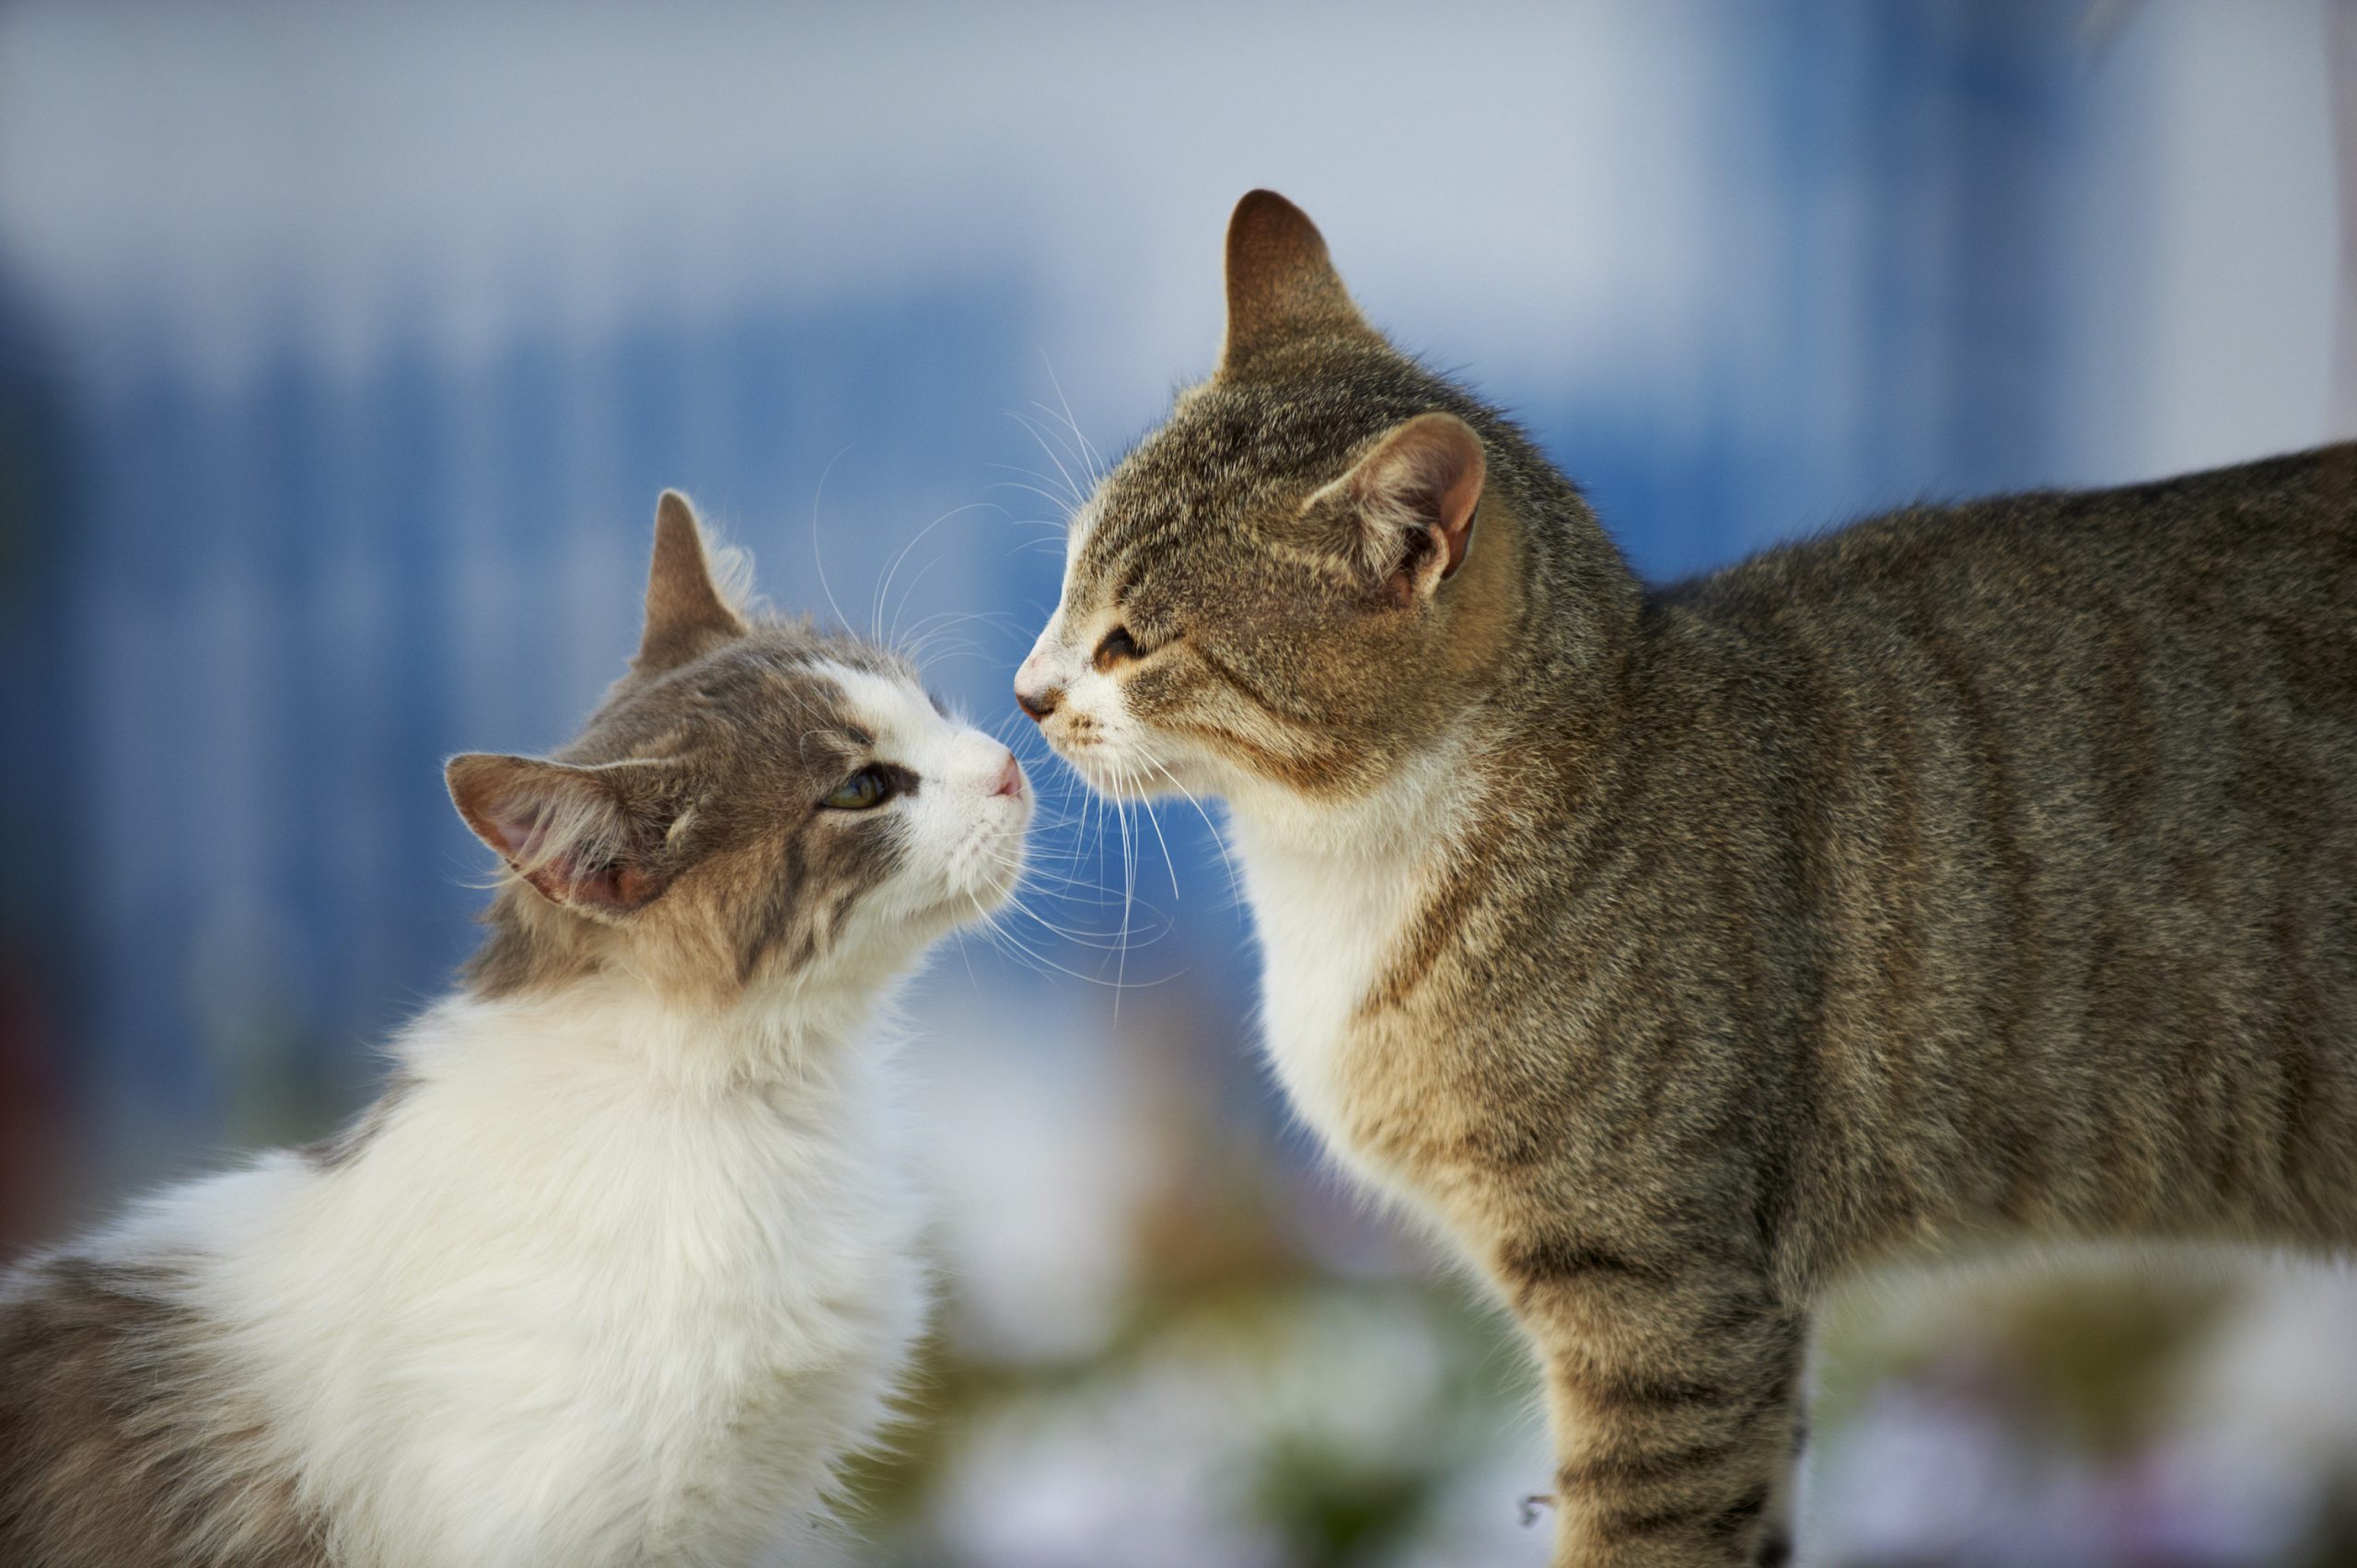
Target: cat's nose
x=1035 y=693
x=1010 y=778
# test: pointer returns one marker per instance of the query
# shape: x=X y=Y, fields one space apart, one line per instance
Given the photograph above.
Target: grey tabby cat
x=1972 y=870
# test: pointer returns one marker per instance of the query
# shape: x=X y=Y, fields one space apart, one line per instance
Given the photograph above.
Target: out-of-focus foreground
x=344 y=351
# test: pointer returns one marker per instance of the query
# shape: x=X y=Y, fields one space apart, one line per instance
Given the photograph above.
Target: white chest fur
x=1326 y=922
x=564 y=1311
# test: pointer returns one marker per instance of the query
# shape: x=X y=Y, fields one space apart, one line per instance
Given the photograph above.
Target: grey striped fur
x=1972 y=871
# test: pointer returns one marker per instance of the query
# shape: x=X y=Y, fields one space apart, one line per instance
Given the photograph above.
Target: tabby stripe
x=1628 y=1392
x=1638 y=1391
x=1228 y=673
x=1663 y=1465
x=1126 y=584
x=2013 y=961
x=777 y=917
x=1438 y=927
x=1722 y=1521
x=1552 y=1258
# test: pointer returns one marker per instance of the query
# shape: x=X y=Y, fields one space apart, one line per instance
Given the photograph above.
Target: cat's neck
x=620 y=1023
x=1360 y=859
x=1411 y=816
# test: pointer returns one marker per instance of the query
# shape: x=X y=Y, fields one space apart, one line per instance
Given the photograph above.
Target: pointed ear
x=582 y=836
x=1411 y=501
x=685 y=614
x=1281 y=283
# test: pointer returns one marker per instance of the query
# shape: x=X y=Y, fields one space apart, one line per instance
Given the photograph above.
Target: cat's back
x=2273 y=541
x=2085 y=679
x=2130 y=641
x=2059 y=790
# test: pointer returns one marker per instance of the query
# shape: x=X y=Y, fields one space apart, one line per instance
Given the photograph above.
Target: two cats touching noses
x=1970 y=872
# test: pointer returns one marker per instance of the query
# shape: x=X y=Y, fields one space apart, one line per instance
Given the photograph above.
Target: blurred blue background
x=344 y=351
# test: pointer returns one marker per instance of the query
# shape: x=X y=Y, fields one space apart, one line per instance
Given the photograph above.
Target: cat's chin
x=990 y=897
x=968 y=903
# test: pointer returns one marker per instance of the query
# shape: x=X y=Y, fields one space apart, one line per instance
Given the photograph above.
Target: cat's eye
x=870 y=786
x=1117 y=646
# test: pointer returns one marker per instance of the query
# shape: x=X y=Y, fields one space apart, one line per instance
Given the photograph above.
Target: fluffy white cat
x=621 y=1264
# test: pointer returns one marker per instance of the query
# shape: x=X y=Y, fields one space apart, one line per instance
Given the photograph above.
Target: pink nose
x=1035 y=693
x=1010 y=780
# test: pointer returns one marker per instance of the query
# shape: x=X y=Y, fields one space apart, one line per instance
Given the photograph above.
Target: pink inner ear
x=566 y=879
x=520 y=834
x=529 y=812
x=1459 y=503
x=1427 y=484
x=1448 y=469
x=568 y=882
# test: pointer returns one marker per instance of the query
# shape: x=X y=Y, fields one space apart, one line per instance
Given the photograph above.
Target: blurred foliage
x=2086 y=1353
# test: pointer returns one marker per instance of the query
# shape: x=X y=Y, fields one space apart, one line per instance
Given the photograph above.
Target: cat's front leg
x=1673 y=1398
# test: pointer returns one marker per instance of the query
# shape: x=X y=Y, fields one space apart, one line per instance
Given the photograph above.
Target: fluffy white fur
x=612 y=1280
x=570 y=1305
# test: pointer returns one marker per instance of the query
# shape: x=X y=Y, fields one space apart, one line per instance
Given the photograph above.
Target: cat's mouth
x=1084 y=755
x=986 y=870
x=1106 y=773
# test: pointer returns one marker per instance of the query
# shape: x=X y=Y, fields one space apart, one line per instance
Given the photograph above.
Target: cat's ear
x=686 y=614
x=1281 y=283
x=584 y=837
x=1410 y=502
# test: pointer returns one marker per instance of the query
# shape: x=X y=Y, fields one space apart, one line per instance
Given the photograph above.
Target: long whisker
x=1076 y=449
x=1078 y=498
x=907 y=593
x=1088 y=453
x=1145 y=809
x=1219 y=839
x=817 y=558
x=1129 y=879
x=1060 y=503
x=884 y=584
x=1001 y=936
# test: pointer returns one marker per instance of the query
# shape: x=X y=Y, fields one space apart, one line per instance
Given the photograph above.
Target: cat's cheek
x=962 y=855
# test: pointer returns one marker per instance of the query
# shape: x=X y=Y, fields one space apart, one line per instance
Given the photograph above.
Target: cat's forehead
x=1180 y=489
x=1227 y=463
x=780 y=692
x=884 y=704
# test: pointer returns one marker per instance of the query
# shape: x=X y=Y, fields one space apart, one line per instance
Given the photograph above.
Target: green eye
x=866 y=788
